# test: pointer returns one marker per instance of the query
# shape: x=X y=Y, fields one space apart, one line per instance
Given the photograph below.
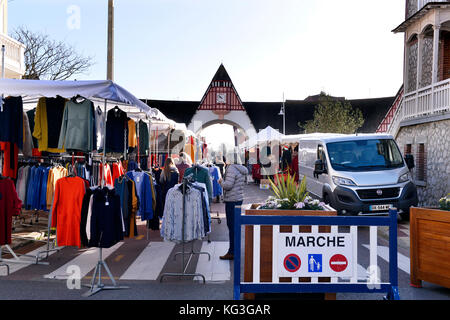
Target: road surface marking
x=150 y=262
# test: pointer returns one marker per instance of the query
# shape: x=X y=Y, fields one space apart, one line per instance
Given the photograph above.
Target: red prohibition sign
x=292 y=263
x=338 y=263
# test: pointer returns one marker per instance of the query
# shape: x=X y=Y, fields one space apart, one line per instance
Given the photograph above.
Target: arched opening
x=411 y=64
x=222 y=137
x=444 y=52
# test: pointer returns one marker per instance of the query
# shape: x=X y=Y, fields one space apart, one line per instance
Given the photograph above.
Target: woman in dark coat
x=169 y=178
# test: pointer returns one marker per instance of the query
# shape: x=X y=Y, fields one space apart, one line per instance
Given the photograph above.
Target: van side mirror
x=409 y=159
x=319 y=168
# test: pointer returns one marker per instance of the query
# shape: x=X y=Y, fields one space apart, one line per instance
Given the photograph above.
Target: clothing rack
x=186 y=180
x=99 y=286
x=16 y=257
x=55 y=248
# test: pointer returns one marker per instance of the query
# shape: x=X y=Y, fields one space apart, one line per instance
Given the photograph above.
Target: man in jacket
x=233 y=186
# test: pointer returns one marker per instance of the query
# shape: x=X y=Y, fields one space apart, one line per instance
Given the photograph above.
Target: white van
x=357 y=174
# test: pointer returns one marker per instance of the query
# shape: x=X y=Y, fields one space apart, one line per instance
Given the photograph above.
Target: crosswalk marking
x=14 y=267
x=403 y=261
x=150 y=262
x=85 y=261
x=214 y=269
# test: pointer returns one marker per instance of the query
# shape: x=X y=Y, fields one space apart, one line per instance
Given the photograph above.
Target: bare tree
x=47 y=59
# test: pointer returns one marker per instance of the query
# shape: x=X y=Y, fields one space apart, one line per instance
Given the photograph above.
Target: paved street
x=139 y=264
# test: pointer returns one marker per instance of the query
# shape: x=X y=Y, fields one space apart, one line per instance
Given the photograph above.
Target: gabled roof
x=221 y=74
x=420 y=14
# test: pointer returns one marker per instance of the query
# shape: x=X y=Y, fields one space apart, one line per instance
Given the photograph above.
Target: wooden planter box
x=430 y=246
x=266 y=245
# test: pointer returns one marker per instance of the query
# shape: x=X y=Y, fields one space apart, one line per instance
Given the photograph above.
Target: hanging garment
x=144 y=192
x=132 y=137
x=205 y=205
x=158 y=207
x=201 y=174
x=175 y=220
x=106 y=223
x=84 y=217
x=47 y=130
x=99 y=129
x=11 y=121
x=10 y=159
x=144 y=138
x=168 y=183
x=54 y=175
x=77 y=130
x=126 y=190
x=181 y=169
x=11 y=134
x=27 y=148
x=55 y=113
x=42 y=205
x=215 y=175
x=66 y=213
x=116 y=131
x=117 y=170
x=21 y=183
x=105 y=173
x=30 y=115
x=10 y=206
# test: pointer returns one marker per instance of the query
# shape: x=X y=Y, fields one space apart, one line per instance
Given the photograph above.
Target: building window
x=421 y=167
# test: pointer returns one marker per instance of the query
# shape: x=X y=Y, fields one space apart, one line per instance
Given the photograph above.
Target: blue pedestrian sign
x=314 y=263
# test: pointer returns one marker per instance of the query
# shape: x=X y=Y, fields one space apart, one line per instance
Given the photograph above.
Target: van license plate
x=380 y=207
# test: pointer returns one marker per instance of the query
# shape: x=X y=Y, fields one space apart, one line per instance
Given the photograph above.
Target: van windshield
x=365 y=155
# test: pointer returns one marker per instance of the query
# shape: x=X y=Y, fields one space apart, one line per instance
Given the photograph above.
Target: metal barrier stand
x=391 y=288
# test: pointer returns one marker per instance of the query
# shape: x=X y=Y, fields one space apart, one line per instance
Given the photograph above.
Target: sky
x=171 y=49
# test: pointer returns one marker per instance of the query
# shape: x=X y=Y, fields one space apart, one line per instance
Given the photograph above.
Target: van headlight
x=343 y=181
x=404 y=178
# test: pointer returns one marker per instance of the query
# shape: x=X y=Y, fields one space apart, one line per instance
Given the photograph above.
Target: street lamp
x=283 y=113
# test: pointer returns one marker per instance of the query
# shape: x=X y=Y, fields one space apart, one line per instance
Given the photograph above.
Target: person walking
x=233 y=186
x=168 y=179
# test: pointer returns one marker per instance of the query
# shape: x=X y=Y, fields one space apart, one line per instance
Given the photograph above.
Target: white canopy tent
x=266 y=135
x=98 y=91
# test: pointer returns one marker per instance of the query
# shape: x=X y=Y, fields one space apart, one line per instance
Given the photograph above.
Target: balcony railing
x=14 y=55
x=427 y=101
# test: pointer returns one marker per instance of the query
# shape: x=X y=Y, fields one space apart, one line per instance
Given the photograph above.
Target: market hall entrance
x=221 y=104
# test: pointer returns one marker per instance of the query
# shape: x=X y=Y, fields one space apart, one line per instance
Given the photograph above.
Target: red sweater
x=10 y=205
x=66 y=214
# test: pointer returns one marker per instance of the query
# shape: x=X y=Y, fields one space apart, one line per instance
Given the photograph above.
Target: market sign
x=315 y=255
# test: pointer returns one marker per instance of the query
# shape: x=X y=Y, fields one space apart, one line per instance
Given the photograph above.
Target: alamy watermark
x=74 y=19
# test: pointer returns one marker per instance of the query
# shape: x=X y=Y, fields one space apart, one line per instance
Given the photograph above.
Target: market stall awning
x=90 y=89
x=266 y=135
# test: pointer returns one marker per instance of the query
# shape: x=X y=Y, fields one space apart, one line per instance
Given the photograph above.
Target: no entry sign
x=322 y=254
x=338 y=263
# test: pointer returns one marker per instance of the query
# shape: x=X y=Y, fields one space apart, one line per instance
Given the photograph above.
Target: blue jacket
x=144 y=192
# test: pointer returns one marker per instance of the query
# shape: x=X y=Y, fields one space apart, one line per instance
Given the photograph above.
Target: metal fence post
x=393 y=257
x=237 y=253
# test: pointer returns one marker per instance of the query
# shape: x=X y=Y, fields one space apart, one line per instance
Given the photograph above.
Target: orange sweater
x=66 y=214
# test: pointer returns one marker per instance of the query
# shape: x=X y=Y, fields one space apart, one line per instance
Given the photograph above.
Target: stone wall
x=412 y=67
x=435 y=136
x=411 y=8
